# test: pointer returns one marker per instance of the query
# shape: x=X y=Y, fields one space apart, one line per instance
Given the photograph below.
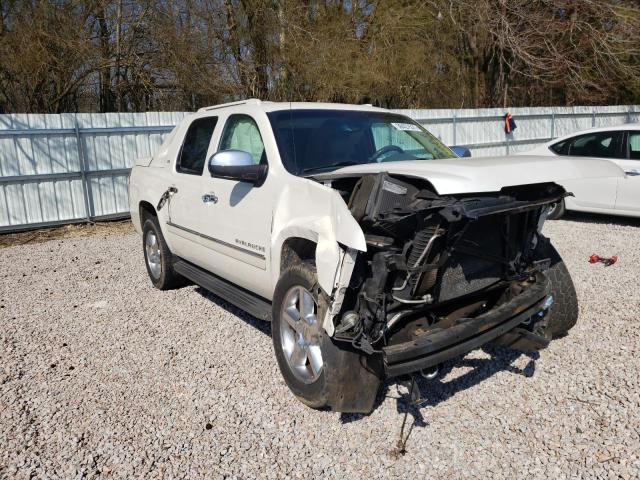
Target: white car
x=374 y=250
x=616 y=196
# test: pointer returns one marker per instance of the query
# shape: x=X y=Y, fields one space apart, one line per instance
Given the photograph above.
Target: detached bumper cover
x=468 y=334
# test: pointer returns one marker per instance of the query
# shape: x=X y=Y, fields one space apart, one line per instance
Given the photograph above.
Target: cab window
x=241 y=133
x=193 y=152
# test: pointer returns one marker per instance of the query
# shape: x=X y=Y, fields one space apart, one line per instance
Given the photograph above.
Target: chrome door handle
x=209 y=198
x=633 y=173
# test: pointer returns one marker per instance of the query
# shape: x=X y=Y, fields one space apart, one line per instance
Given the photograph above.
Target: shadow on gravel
x=601 y=218
x=260 y=325
x=429 y=392
x=432 y=392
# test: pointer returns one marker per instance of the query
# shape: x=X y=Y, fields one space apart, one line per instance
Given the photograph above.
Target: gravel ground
x=101 y=375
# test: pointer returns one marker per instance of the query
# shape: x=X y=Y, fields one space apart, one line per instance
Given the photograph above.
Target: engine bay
x=435 y=260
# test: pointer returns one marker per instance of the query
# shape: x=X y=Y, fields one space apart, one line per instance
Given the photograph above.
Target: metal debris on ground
x=608 y=261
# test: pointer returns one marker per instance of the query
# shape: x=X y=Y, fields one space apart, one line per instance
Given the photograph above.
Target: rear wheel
x=321 y=373
x=158 y=257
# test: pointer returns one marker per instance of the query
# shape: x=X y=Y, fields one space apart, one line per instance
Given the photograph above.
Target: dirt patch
x=113 y=227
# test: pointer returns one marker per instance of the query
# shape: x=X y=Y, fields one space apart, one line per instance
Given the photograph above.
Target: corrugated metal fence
x=482 y=130
x=57 y=169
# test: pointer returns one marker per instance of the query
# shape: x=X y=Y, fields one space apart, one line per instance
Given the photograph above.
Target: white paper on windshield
x=407 y=127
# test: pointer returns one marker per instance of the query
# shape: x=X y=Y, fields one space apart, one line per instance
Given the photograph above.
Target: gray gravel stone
x=102 y=375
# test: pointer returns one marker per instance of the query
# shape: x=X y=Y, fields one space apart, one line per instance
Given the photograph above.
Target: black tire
x=563 y=313
x=557 y=210
x=167 y=278
x=348 y=380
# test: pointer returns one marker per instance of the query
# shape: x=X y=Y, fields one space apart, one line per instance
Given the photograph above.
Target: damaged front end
x=444 y=274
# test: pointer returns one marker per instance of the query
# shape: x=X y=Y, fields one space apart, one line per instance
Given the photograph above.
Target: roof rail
x=250 y=101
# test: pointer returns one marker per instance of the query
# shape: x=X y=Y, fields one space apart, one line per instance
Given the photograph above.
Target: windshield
x=313 y=141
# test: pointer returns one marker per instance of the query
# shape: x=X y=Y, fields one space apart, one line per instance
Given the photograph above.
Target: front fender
x=317 y=213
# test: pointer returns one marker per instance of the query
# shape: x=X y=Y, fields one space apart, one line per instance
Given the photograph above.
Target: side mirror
x=237 y=165
x=461 y=151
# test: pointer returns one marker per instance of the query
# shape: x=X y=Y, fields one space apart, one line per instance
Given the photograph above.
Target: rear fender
x=148 y=184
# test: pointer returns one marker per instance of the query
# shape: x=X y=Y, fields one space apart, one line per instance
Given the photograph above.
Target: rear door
x=629 y=187
x=183 y=208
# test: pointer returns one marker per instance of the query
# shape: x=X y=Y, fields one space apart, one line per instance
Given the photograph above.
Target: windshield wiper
x=328 y=167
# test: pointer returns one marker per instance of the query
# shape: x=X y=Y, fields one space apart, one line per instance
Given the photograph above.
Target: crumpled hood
x=487 y=174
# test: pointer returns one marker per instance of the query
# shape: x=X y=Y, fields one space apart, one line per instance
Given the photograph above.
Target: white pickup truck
x=371 y=247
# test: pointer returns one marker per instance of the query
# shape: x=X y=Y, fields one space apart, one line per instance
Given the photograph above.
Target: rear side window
x=599 y=144
x=196 y=143
x=561 y=147
x=634 y=145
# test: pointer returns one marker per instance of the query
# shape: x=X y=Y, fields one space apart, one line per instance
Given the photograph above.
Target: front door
x=594 y=193
x=629 y=187
x=235 y=219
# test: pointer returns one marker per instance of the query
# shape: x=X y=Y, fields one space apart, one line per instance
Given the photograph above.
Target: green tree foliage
x=125 y=55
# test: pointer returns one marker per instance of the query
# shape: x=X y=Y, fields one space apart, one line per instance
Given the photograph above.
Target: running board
x=241 y=298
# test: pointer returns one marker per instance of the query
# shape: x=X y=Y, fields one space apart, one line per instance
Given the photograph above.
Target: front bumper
x=467 y=334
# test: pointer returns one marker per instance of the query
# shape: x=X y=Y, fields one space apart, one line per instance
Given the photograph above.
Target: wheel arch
x=145 y=210
x=296 y=250
x=309 y=245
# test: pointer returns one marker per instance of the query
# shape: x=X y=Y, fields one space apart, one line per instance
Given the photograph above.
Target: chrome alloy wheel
x=300 y=334
x=152 y=249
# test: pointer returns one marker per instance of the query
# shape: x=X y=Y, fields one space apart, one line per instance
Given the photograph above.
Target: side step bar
x=241 y=298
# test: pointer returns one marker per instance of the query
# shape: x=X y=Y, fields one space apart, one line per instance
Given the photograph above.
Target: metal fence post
x=593 y=119
x=553 y=125
x=86 y=189
x=454 y=124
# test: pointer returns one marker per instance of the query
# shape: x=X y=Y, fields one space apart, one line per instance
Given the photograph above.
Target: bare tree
x=136 y=55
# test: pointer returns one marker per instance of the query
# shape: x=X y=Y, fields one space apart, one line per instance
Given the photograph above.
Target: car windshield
x=314 y=141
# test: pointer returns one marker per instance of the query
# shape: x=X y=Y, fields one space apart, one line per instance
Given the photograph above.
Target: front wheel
x=563 y=313
x=556 y=211
x=321 y=373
